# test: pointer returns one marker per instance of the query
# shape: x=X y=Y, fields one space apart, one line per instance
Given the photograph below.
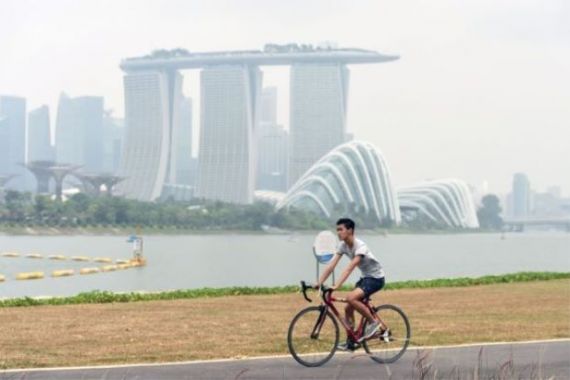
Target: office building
x=319 y=94
x=79 y=132
x=40 y=147
x=13 y=140
x=521 y=196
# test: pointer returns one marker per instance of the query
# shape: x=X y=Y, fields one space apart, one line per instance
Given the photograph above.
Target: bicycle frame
x=328 y=304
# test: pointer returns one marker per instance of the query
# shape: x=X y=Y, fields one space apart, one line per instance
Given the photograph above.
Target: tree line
x=81 y=210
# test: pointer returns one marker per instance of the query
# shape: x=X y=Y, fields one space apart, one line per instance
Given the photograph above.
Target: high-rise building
x=272 y=146
x=272 y=155
x=268 y=112
x=521 y=197
x=113 y=130
x=185 y=167
x=13 y=140
x=318 y=106
x=229 y=112
x=230 y=102
x=40 y=147
x=152 y=106
x=79 y=132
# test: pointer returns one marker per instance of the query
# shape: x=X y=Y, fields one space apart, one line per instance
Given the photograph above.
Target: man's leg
x=349 y=315
x=354 y=299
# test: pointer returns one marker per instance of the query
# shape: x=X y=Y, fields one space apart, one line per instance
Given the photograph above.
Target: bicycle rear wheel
x=383 y=351
x=313 y=336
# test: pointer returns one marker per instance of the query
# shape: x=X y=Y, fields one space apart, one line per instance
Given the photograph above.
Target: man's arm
x=328 y=270
x=353 y=264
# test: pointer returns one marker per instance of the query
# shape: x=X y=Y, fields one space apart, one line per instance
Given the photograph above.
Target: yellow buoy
x=79 y=258
x=2 y=278
x=103 y=260
x=10 y=254
x=34 y=256
x=138 y=262
x=121 y=261
x=62 y=273
x=29 y=275
x=56 y=257
x=108 y=268
x=88 y=270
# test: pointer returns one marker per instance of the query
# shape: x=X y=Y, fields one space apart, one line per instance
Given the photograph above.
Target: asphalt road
x=535 y=360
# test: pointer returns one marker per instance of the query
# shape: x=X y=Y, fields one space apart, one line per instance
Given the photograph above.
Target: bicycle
x=314 y=332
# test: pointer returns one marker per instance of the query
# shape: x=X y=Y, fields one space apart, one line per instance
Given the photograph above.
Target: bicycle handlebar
x=324 y=290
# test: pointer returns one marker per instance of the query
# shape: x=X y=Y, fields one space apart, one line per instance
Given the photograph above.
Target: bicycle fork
x=320 y=321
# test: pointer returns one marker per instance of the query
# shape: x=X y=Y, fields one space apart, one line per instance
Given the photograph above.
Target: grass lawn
x=241 y=326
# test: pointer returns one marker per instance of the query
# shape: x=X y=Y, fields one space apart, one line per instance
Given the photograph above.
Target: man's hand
x=317 y=286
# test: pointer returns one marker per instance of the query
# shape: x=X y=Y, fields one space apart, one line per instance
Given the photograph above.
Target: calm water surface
x=194 y=261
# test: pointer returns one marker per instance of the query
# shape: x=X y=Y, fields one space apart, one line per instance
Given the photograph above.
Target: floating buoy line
x=111 y=265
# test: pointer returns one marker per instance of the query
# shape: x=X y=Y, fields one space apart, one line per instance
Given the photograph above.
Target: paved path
x=528 y=360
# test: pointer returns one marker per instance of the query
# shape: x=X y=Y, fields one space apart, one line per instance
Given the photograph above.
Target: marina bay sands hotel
x=230 y=88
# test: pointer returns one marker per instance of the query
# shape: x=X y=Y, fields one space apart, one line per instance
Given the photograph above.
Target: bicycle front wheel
x=391 y=348
x=313 y=336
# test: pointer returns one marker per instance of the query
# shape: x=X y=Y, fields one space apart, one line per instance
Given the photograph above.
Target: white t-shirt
x=369 y=265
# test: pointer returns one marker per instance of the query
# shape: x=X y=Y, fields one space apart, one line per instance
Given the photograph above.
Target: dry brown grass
x=257 y=325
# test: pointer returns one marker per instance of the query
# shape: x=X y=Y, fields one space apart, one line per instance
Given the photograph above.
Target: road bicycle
x=313 y=335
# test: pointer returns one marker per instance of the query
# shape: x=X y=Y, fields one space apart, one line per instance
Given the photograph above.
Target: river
x=195 y=261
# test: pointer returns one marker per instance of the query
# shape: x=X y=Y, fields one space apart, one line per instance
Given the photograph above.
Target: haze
x=482 y=89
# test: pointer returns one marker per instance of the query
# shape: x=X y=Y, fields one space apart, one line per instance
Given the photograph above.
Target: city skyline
x=457 y=88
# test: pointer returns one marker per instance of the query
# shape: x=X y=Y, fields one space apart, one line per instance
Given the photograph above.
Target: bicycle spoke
x=389 y=347
x=313 y=340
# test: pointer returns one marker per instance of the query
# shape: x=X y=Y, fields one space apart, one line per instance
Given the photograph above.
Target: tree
x=17 y=205
x=489 y=213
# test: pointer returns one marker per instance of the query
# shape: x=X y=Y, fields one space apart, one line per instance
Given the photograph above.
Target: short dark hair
x=347 y=223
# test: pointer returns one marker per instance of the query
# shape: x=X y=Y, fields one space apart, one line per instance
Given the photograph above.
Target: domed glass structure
x=352 y=178
x=443 y=203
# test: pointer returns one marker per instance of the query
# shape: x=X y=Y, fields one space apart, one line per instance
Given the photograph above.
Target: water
x=194 y=261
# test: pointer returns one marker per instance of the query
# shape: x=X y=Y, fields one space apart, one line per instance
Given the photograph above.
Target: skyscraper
x=230 y=86
x=521 y=197
x=79 y=132
x=183 y=145
x=318 y=106
x=268 y=112
x=152 y=106
x=230 y=102
x=272 y=146
x=113 y=130
x=13 y=140
x=39 y=135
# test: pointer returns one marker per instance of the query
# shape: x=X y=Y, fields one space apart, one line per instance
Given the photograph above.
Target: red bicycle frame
x=329 y=300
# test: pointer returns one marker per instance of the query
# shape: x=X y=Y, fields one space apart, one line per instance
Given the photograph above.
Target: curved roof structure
x=353 y=177
x=446 y=202
x=182 y=59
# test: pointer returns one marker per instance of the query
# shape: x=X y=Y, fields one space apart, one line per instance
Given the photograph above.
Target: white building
x=79 y=132
x=229 y=112
x=39 y=135
x=150 y=118
x=13 y=140
x=319 y=94
x=272 y=146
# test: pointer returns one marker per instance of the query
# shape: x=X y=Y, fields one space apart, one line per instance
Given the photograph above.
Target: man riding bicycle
x=372 y=280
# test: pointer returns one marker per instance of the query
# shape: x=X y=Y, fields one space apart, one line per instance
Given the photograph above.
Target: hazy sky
x=482 y=89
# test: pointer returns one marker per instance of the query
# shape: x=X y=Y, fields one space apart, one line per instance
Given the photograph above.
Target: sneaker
x=348 y=346
x=385 y=335
x=370 y=330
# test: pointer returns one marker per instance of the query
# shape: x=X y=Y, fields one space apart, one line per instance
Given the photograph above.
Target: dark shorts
x=370 y=285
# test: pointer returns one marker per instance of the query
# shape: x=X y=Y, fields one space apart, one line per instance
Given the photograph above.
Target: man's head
x=345 y=228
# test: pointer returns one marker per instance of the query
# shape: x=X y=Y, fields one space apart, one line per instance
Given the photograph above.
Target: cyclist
x=372 y=280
